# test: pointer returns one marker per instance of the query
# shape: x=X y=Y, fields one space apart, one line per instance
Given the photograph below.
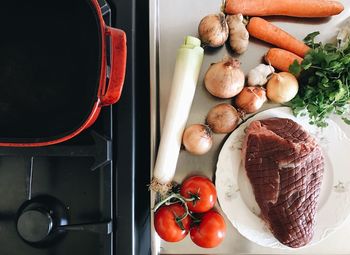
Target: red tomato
x=166 y=226
x=210 y=232
x=201 y=187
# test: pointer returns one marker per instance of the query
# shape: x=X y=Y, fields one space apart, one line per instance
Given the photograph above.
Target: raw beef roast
x=285 y=167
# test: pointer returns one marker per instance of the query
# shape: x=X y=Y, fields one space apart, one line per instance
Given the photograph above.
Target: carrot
x=266 y=31
x=294 y=8
x=281 y=59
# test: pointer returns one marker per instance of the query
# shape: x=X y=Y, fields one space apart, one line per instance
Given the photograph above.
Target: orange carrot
x=294 y=8
x=281 y=59
x=266 y=31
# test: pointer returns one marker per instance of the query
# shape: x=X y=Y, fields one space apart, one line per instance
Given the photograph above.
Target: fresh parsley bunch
x=324 y=80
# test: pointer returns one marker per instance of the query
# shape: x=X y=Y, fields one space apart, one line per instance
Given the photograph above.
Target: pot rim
x=96 y=106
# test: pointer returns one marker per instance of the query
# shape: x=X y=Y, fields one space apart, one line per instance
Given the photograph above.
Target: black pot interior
x=50 y=59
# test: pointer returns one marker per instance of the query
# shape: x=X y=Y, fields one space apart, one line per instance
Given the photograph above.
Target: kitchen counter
x=170 y=22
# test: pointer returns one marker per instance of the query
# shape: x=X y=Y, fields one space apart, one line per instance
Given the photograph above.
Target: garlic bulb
x=343 y=37
x=259 y=75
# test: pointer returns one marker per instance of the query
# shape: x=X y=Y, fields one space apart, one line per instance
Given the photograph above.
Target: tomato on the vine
x=210 y=232
x=202 y=190
x=168 y=224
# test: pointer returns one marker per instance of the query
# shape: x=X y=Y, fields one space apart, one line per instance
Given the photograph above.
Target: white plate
x=236 y=196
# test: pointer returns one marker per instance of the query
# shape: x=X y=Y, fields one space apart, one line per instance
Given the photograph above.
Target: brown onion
x=224 y=79
x=197 y=139
x=213 y=30
x=223 y=118
x=251 y=99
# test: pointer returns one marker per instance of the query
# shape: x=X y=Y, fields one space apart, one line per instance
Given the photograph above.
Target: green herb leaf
x=341 y=91
x=346 y=120
x=331 y=57
x=306 y=64
x=324 y=82
x=330 y=47
x=295 y=68
x=310 y=39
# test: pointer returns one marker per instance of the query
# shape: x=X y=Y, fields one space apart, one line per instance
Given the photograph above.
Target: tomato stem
x=194 y=197
x=178 y=221
x=160 y=203
x=194 y=219
x=171 y=203
x=176 y=196
x=180 y=199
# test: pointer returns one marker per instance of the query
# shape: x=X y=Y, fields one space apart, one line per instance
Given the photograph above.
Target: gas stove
x=88 y=195
x=59 y=199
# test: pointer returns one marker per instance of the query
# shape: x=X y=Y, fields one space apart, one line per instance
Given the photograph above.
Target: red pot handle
x=118 y=66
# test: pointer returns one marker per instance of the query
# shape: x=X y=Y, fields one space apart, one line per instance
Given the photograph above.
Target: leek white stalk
x=188 y=64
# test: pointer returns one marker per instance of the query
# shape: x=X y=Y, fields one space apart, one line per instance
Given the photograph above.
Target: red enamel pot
x=59 y=65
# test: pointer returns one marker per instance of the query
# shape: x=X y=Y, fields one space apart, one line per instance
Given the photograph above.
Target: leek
x=188 y=64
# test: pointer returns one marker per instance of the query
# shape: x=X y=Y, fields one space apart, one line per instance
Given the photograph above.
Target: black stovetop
x=60 y=185
x=95 y=185
x=132 y=132
x=60 y=199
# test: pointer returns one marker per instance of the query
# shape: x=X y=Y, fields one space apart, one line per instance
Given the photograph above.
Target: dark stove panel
x=72 y=181
x=84 y=196
x=106 y=201
x=132 y=134
x=74 y=243
x=13 y=190
x=58 y=200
